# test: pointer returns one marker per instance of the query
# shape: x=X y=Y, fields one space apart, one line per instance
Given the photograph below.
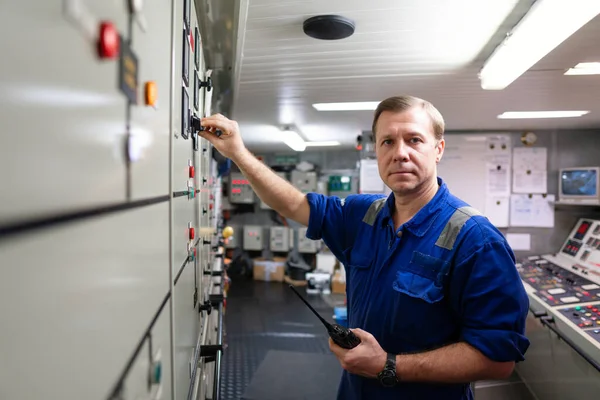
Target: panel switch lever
x=197 y=127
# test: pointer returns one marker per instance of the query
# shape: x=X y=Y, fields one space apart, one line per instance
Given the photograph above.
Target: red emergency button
x=192 y=172
x=108 y=40
x=210 y=206
x=192 y=233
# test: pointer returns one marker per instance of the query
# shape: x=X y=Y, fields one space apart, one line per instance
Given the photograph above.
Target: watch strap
x=390 y=362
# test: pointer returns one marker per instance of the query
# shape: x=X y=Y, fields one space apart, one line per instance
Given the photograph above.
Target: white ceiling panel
x=427 y=48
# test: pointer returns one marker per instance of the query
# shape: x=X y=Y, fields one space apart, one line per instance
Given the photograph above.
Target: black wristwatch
x=387 y=377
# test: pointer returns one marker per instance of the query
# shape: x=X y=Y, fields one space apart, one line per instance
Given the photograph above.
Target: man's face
x=407 y=151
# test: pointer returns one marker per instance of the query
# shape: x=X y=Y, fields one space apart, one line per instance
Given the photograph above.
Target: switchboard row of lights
x=236 y=190
x=240 y=182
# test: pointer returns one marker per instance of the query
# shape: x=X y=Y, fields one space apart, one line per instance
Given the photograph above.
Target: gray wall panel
x=150 y=126
x=64 y=130
x=78 y=298
x=186 y=330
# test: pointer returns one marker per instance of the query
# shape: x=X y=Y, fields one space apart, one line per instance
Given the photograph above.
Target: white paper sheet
x=519 y=241
x=530 y=158
x=498 y=180
x=529 y=181
x=498 y=151
x=370 y=181
x=532 y=210
x=497 y=210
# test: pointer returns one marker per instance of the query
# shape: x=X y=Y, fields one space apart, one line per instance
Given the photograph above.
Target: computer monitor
x=579 y=185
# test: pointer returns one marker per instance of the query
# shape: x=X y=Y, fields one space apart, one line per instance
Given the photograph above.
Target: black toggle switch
x=196 y=126
x=207 y=84
x=207 y=306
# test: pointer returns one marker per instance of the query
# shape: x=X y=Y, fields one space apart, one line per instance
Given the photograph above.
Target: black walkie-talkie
x=341 y=336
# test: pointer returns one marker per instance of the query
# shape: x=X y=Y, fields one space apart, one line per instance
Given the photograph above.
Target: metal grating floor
x=263 y=316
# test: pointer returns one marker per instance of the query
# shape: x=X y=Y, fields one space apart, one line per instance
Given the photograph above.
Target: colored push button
x=578 y=308
x=192 y=172
x=108 y=41
x=210 y=206
x=193 y=234
x=150 y=93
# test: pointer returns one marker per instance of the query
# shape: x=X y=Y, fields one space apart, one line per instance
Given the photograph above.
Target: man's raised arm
x=275 y=191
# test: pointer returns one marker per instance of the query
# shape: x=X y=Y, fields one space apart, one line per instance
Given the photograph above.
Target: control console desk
x=564 y=289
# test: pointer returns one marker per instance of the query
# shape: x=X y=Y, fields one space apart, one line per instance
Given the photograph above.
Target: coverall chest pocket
x=422 y=277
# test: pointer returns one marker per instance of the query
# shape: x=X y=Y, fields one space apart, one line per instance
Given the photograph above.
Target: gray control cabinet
x=306 y=245
x=281 y=238
x=240 y=191
x=305 y=181
x=253 y=237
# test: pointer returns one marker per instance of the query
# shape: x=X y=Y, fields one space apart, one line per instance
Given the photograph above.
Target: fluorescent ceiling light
x=588 y=68
x=293 y=140
x=348 y=106
x=323 y=143
x=547 y=24
x=541 y=114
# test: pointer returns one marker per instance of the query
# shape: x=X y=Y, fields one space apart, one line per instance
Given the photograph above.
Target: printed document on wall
x=530 y=158
x=529 y=181
x=497 y=210
x=530 y=170
x=532 y=210
x=498 y=150
x=370 y=181
x=498 y=180
x=519 y=241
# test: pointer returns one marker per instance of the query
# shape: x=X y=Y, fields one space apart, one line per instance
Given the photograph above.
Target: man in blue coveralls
x=432 y=288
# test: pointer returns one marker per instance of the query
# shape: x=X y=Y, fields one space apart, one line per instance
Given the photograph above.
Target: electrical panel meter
x=264 y=205
x=253 y=237
x=240 y=191
x=281 y=238
x=306 y=245
x=304 y=181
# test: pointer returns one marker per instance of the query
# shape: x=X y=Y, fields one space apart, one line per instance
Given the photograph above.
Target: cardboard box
x=269 y=270
x=338 y=283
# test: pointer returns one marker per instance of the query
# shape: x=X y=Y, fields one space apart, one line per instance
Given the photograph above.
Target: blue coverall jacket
x=447 y=275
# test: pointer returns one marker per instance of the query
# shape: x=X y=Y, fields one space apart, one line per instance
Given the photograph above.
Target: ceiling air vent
x=328 y=27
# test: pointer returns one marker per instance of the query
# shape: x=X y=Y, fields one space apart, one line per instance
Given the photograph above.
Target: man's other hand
x=367 y=359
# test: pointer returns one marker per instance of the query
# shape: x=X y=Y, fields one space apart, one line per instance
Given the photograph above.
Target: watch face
x=388 y=378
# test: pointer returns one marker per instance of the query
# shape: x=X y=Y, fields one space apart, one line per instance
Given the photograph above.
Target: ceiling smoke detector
x=328 y=27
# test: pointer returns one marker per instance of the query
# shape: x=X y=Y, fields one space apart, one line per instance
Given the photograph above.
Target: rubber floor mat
x=286 y=375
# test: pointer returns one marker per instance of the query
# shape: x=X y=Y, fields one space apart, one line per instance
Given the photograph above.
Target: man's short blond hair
x=398 y=104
